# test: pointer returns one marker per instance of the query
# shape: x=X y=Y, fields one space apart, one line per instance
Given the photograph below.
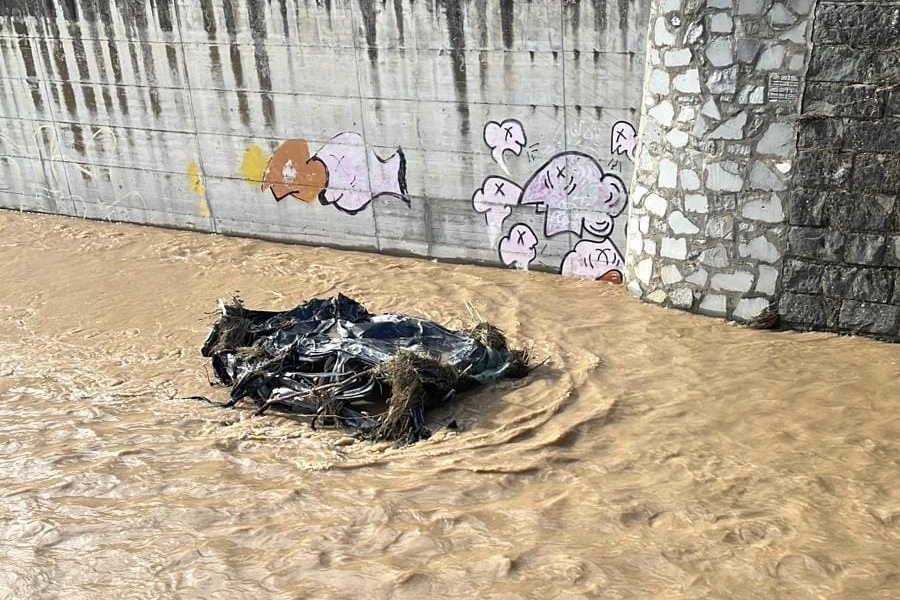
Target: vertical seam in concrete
x=565 y=100
x=46 y=90
x=190 y=94
x=362 y=126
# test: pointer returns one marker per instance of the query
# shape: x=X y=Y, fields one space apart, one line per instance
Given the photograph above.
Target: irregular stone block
x=739 y=281
x=842 y=100
x=893 y=104
x=822 y=169
x=876 y=172
x=807 y=207
x=674 y=248
x=750 y=7
x=670 y=274
x=713 y=305
x=723 y=81
x=867 y=317
x=766 y=280
x=821 y=133
x=688 y=82
x=720 y=227
x=771 y=58
x=721 y=22
x=815 y=312
x=814 y=243
x=644 y=270
x=668 y=173
x=764 y=178
x=680 y=224
x=861 y=211
x=658 y=82
x=839 y=63
x=780 y=15
x=696 y=203
x=657 y=296
x=802 y=277
x=859 y=26
x=656 y=204
x=663 y=112
x=720 y=52
x=746 y=50
x=800 y=7
x=732 y=129
x=873 y=136
x=677 y=58
x=661 y=33
x=873 y=285
x=767 y=210
x=761 y=249
x=724 y=176
x=747 y=308
x=677 y=138
x=682 y=297
x=777 y=140
x=865 y=249
x=715 y=257
x=698 y=277
x=690 y=181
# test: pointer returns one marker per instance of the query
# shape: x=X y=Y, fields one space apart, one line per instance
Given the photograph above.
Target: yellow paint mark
x=253 y=167
x=196 y=178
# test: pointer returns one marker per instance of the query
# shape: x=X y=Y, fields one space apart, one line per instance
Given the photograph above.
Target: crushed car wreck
x=375 y=375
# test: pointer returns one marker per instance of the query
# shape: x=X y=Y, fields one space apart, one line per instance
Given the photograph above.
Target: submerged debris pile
x=376 y=375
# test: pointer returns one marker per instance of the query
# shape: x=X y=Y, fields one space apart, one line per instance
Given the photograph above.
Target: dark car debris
x=373 y=375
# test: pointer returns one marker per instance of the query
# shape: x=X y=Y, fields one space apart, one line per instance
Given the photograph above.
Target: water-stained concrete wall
x=496 y=131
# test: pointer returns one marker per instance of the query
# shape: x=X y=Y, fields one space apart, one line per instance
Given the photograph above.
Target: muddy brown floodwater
x=656 y=455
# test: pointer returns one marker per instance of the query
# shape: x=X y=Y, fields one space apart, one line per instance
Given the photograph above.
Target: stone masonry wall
x=842 y=269
x=706 y=231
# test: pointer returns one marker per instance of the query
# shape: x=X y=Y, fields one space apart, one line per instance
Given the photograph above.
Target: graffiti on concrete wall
x=572 y=192
x=623 y=139
x=508 y=136
x=343 y=173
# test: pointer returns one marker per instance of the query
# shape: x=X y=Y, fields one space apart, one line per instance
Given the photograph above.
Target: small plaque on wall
x=783 y=87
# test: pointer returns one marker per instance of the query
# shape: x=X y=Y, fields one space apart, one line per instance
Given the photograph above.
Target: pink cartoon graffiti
x=519 y=247
x=594 y=261
x=575 y=195
x=508 y=136
x=623 y=139
x=494 y=200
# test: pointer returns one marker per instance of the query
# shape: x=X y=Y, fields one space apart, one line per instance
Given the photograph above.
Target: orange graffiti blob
x=291 y=172
x=612 y=277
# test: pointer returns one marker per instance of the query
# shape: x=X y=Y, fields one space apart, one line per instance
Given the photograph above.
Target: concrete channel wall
x=474 y=130
x=736 y=158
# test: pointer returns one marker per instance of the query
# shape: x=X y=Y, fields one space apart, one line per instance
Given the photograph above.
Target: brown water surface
x=656 y=455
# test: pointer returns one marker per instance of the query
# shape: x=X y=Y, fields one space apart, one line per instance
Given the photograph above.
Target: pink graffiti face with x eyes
x=594 y=261
x=508 y=136
x=519 y=247
x=576 y=195
x=623 y=139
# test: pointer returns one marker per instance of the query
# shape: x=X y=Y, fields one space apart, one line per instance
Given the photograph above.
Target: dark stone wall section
x=842 y=267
